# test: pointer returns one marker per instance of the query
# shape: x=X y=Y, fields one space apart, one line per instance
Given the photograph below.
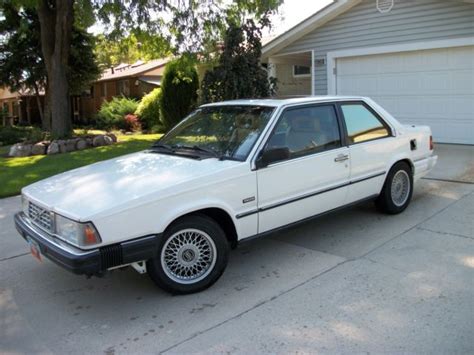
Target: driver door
x=314 y=177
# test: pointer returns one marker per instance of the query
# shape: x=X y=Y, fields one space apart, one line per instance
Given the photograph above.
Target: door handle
x=341 y=157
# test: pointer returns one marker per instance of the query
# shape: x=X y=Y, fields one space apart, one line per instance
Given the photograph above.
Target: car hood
x=86 y=191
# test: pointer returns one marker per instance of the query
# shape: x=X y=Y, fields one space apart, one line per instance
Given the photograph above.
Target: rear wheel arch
x=386 y=202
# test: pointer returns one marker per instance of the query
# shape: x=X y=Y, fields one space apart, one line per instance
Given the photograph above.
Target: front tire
x=192 y=255
x=397 y=189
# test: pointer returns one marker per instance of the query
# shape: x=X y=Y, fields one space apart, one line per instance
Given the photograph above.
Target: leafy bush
x=112 y=113
x=159 y=128
x=12 y=135
x=178 y=91
x=132 y=123
x=149 y=109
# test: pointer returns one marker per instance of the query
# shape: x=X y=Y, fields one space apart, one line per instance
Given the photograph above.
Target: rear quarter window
x=362 y=125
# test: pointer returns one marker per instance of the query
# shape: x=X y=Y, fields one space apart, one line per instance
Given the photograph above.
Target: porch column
x=271 y=68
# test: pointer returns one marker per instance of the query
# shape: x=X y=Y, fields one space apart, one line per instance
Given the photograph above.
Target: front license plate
x=34 y=248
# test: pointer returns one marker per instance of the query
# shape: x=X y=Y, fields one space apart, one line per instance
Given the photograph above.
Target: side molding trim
x=302 y=197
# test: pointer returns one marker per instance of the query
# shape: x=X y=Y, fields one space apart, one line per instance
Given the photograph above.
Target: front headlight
x=79 y=234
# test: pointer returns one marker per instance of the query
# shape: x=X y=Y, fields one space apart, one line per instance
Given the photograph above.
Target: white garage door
x=427 y=87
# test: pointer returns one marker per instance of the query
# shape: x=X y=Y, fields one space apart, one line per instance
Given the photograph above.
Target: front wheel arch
x=221 y=217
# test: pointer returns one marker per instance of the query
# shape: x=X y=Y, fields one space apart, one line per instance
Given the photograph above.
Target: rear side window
x=362 y=125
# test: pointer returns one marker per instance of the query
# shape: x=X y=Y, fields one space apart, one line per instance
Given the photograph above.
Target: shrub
x=149 y=109
x=159 y=128
x=12 y=135
x=112 y=113
x=178 y=91
x=132 y=123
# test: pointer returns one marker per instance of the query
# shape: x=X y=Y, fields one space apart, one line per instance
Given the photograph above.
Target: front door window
x=307 y=130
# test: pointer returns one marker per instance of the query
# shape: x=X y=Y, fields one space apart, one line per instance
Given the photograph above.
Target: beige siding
x=288 y=85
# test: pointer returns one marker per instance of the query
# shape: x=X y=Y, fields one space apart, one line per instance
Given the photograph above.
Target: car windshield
x=226 y=132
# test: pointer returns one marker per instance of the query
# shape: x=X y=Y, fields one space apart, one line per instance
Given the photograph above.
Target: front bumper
x=88 y=262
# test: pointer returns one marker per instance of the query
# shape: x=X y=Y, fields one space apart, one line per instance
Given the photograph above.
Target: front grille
x=111 y=256
x=40 y=216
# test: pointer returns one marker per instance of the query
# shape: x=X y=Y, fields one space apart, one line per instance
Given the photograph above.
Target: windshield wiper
x=197 y=148
x=162 y=146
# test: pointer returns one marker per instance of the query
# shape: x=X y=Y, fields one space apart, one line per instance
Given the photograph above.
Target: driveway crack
x=14 y=256
x=446 y=233
x=258 y=305
x=415 y=226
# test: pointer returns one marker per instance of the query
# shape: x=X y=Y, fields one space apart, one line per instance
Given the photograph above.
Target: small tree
x=149 y=109
x=239 y=73
x=178 y=91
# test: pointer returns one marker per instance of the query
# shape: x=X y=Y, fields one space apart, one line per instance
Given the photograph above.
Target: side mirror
x=272 y=155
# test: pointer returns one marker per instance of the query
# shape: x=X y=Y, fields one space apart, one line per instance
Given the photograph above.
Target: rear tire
x=397 y=189
x=191 y=256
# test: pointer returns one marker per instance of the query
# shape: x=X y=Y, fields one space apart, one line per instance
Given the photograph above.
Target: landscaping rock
x=89 y=142
x=53 y=148
x=39 y=149
x=20 y=150
x=81 y=144
x=71 y=145
x=108 y=140
x=98 y=141
x=62 y=146
x=113 y=136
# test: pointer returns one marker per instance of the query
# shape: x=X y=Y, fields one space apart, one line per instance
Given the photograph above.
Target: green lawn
x=16 y=173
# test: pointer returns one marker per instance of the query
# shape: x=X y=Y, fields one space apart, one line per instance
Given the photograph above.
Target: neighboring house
x=416 y=58
x=130 y=80
x=19 y=106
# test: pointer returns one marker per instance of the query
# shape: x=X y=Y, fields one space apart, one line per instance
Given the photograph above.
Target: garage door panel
x=429 y=87
x=410 y=84
x=434 y=82
x=462 y=58
x=462 y=107
x=462 y=81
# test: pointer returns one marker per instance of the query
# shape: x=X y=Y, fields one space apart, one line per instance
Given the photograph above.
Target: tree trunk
x=56 y=19
x=44 y=123
x=47 y=111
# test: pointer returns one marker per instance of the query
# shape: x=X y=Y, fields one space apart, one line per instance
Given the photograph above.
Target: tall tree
x=56 y=20
x=239 y=73
x=134 y=47
x=192 y=26
x=21 y=43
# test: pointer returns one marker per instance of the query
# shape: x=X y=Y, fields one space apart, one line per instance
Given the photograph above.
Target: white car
x=229 y=172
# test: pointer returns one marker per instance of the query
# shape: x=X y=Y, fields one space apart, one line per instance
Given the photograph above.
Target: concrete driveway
x=355 y=281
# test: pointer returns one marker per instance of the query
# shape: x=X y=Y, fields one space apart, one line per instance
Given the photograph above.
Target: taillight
x=431 y=143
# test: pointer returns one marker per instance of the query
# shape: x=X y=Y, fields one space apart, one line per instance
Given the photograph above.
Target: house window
x=301 y=70
x=123 y=87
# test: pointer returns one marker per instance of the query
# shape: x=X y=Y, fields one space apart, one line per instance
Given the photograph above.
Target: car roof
x=283 y=101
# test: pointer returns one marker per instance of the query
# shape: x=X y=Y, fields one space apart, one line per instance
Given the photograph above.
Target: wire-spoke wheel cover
x=400 y=189
x=188 y=256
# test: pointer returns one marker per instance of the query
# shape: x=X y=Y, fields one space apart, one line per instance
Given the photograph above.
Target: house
x=19 y=106
x=414 y=57
x=130 y=80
